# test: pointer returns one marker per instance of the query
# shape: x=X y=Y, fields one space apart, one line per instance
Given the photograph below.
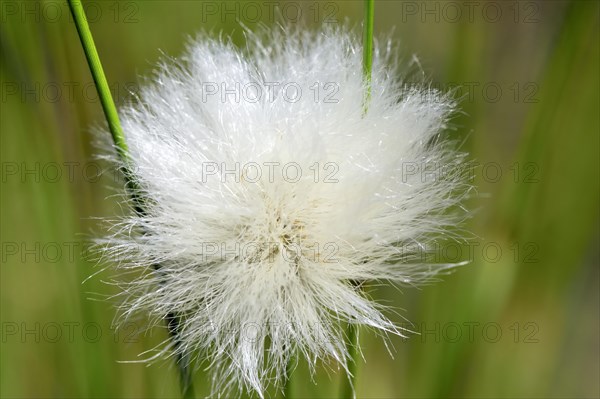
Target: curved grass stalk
x=352 y=337
x=112 y=117
x=91 y=54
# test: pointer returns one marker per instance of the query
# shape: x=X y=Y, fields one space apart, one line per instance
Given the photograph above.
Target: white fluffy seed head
x=270 y=192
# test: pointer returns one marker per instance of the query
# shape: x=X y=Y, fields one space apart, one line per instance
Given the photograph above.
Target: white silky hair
x=271 y=191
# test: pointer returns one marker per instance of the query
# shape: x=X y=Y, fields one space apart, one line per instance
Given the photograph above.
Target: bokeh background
x=521 y=320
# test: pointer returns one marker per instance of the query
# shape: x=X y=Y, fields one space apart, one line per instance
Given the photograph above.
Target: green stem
x=108 y=105
x=287 y=387
x=182 y=359
x=352 y=344
x=112 y=117
x=347 y=388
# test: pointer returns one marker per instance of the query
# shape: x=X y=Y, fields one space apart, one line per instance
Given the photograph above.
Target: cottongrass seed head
x=271 y=192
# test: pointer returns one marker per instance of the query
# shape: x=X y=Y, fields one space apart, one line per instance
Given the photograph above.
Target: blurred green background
x=522 y=320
